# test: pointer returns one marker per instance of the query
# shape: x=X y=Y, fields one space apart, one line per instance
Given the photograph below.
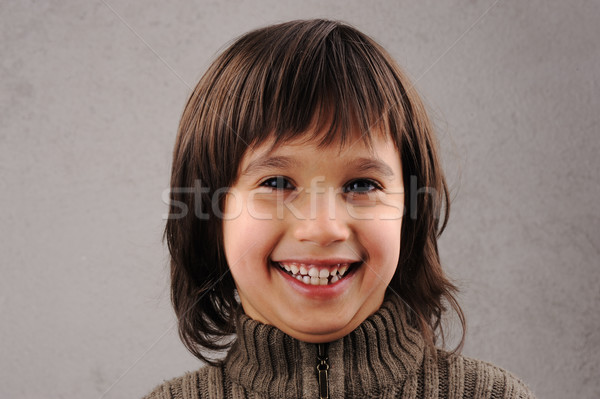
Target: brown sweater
x=383 y=358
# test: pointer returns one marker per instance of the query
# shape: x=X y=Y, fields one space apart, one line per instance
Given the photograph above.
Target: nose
x=324 y=222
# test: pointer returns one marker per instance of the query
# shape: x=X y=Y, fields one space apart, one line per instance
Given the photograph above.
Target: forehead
x=325 y=139
x=376 y=151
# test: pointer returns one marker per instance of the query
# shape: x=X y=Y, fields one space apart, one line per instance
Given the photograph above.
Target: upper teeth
x=316 y=274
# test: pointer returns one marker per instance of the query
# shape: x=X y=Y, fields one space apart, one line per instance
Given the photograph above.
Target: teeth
x=312 y=275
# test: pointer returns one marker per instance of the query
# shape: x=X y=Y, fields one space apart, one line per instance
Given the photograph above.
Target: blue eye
x=361 y=186
x=278 y=183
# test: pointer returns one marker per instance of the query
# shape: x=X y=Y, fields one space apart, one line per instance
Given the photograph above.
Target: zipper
x=323 y=371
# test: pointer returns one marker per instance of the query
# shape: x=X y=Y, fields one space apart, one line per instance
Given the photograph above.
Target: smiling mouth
x=317 y=275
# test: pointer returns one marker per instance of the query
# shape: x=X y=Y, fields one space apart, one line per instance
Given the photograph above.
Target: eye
x=362 y=186
x=277 y=183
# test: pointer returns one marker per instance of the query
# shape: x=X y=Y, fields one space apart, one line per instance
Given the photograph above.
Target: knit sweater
x=383 y=358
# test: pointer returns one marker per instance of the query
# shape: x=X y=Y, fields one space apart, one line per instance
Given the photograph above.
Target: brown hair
x=277 y=81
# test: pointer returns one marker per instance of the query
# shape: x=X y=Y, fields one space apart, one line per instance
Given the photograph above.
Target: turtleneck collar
x=384 y=350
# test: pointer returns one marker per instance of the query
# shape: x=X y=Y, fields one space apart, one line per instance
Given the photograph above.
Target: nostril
x=322 y=230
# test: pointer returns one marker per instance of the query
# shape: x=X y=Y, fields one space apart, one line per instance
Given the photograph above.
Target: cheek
x=382 y=242
x=243 y=253
x=248 y=242
x=237 y=224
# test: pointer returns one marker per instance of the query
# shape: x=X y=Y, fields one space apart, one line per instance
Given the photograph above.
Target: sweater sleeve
x=471 y=378
x=167 y=390
x=184 y=387
x=206 y=383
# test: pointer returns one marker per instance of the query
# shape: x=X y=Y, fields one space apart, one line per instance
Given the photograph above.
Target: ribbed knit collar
x=381 y=352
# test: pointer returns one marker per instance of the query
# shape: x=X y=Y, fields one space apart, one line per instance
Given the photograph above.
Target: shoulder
x=197 y=384
x=466 y=377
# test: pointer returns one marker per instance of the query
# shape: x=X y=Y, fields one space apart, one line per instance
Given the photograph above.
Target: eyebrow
x=283 y=162
x=373 y=165
x=270 y=162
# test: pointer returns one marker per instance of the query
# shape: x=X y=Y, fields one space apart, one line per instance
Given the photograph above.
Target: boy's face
x=312 y=235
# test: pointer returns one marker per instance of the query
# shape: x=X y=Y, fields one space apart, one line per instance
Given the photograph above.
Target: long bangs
x=318 y=77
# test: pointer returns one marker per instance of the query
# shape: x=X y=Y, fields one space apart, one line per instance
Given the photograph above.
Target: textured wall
x=90 y=96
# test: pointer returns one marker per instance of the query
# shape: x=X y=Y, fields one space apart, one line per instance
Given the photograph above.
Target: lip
x=320 y=292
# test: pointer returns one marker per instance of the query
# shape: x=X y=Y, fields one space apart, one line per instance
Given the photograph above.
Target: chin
x=318 y=337
x=321 y=329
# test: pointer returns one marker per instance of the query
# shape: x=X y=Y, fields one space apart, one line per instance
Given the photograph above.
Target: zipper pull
x=322 y=371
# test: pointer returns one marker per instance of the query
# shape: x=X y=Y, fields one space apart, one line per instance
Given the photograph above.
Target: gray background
x=91 y=93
